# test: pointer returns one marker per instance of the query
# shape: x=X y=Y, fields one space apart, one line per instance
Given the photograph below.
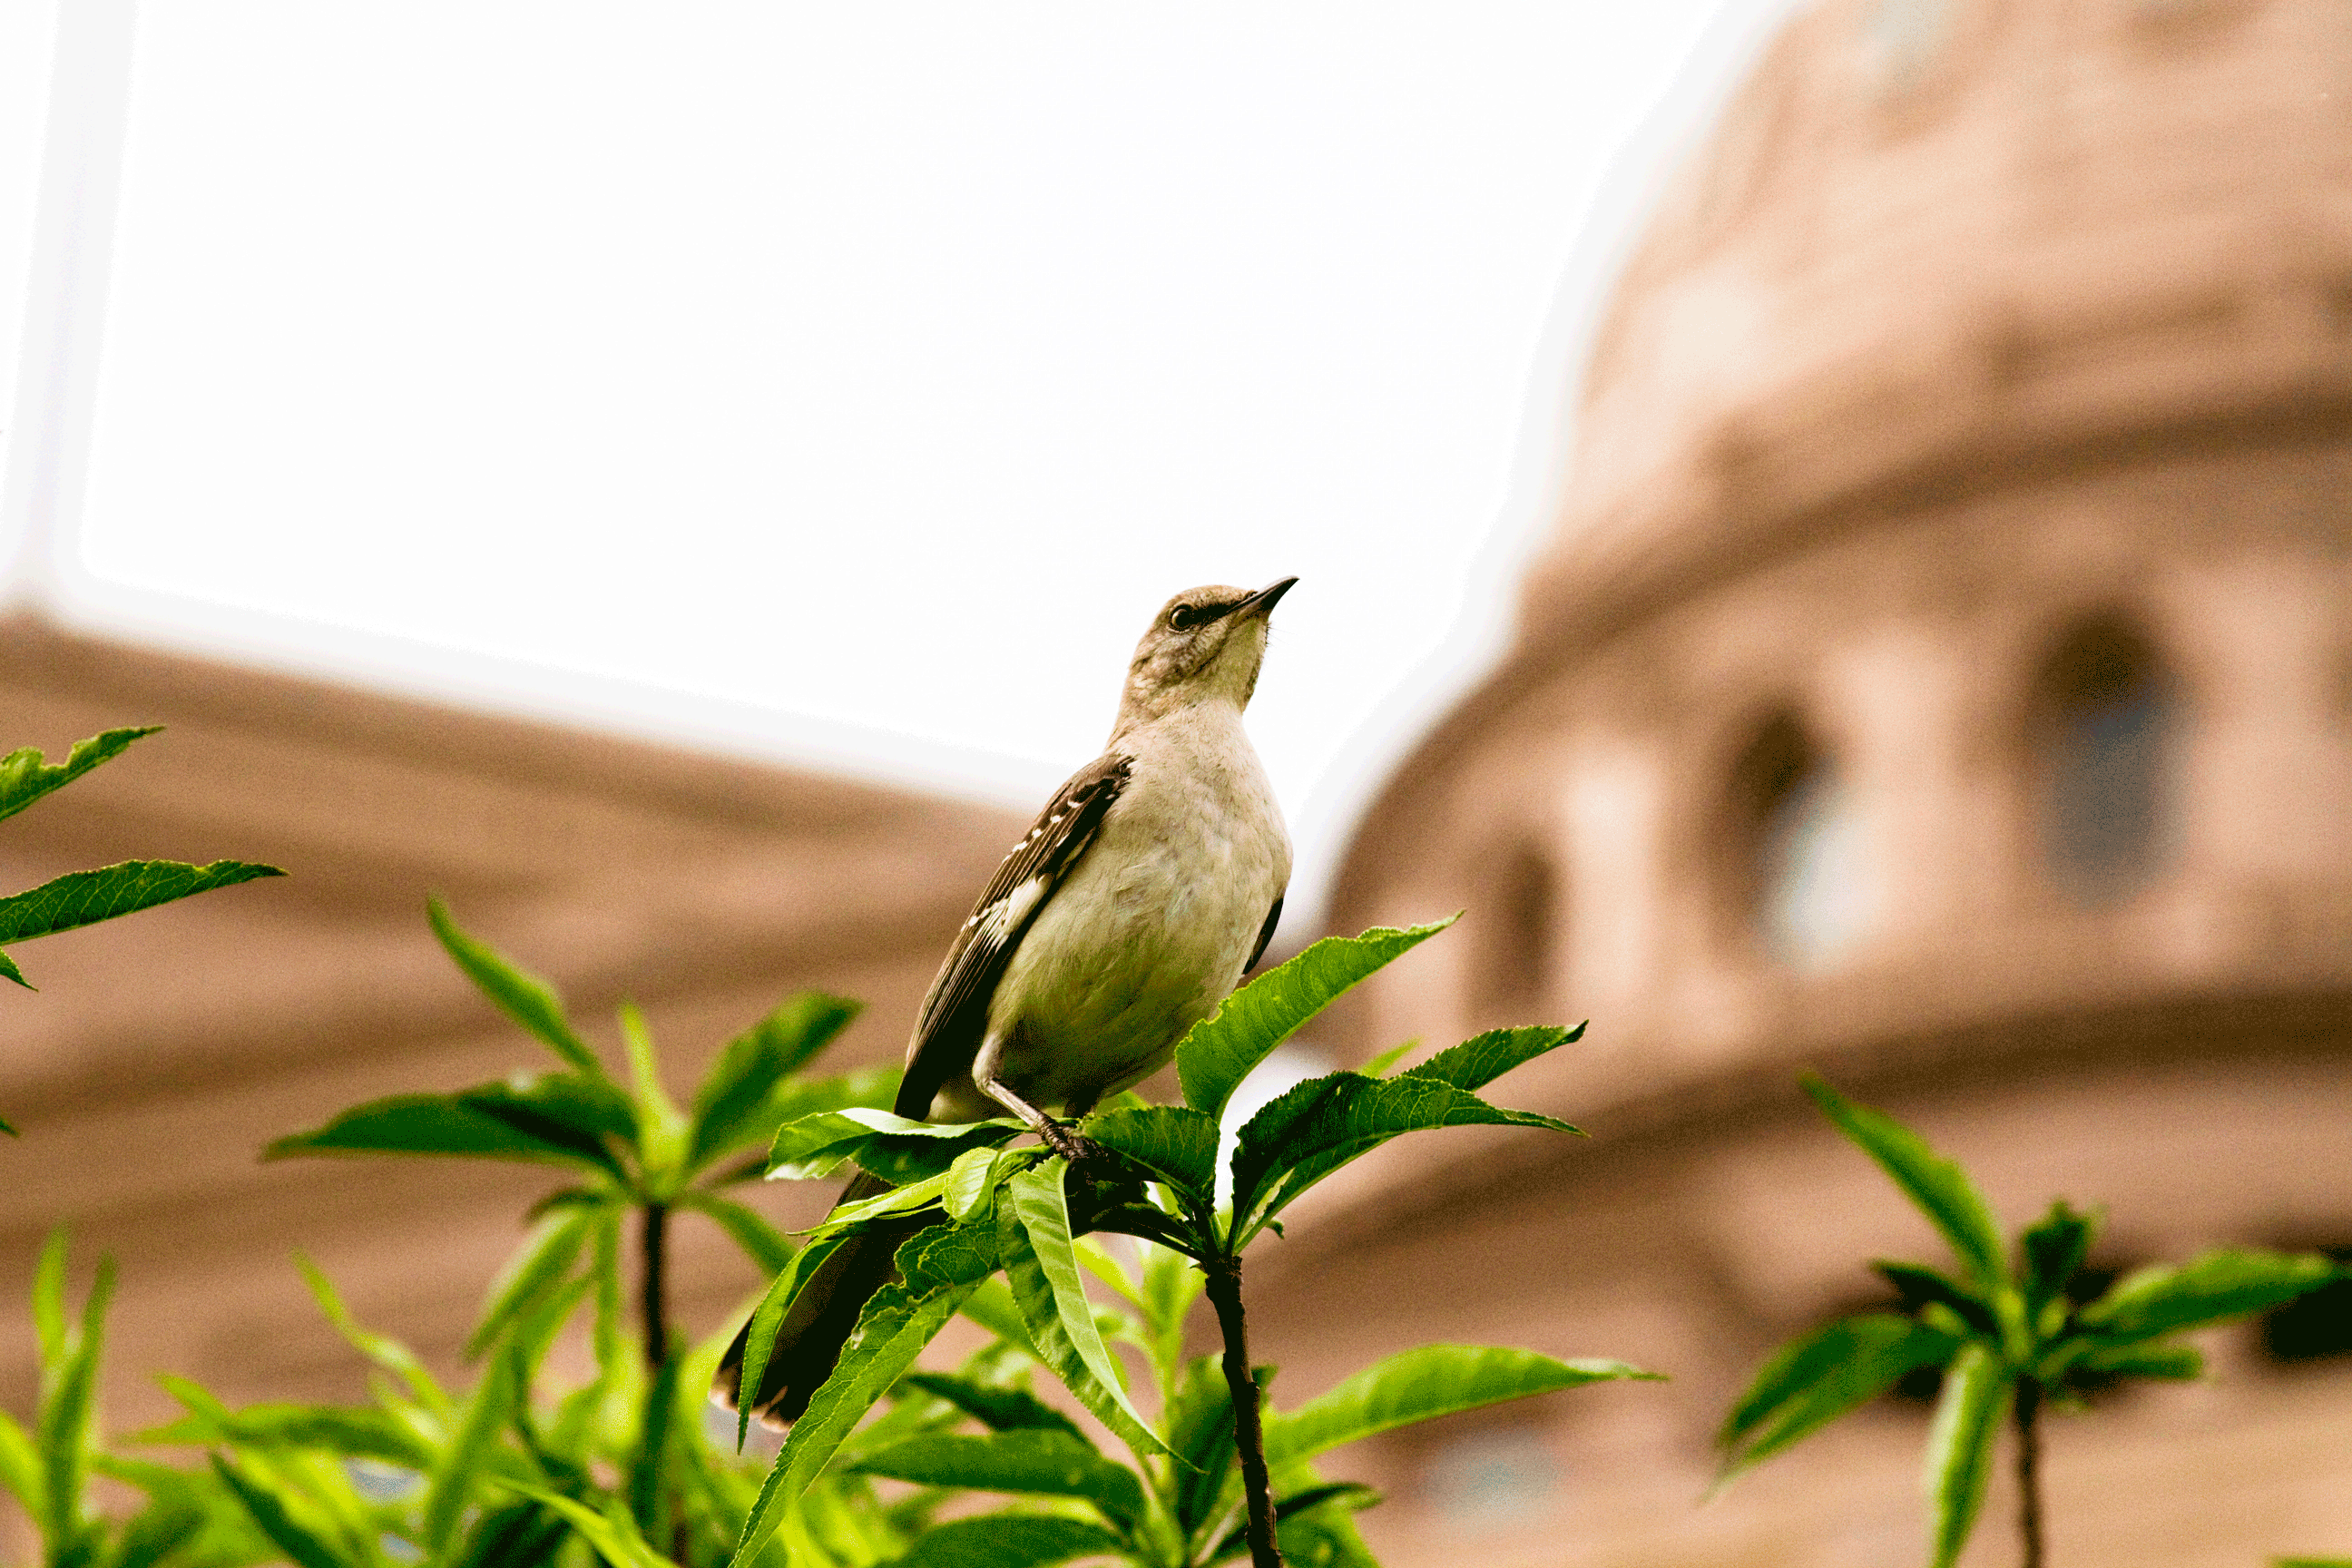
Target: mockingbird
x=1151 y=884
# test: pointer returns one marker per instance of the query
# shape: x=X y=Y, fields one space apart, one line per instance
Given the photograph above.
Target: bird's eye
x=1184 y=617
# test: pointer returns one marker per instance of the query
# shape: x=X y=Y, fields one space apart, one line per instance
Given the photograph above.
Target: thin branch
x=2029 y=1468
x=1225 y=1291
x=653 y=1305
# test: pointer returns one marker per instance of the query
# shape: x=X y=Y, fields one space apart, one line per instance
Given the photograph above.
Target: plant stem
x=1224 y=1290
x=2029 y=1468
x=653 y=1306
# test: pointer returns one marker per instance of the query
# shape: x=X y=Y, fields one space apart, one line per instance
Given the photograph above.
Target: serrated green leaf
x=2213 y=1288
x=892 y=1329
x=1034 y=1240
x=760 y=1333
x=519 y=994
x=1813 y=1380
x=1037 y=1461
x=1218 y=1052
x=26 y=776
x=1199 y=1423
x=1421 y=1384
x=300 y=1543
x=752 y=1068
x=1935 y=1186
x=8 y=971
x=536 y=1267
x=1008 y=1541
x=1969 y=1415
x=79 y=898
x=886 y=1145
x=1480 y=1061
x=1171 y=1144
x=1304 y=1134
x=996 y=1406
x=761 y=1242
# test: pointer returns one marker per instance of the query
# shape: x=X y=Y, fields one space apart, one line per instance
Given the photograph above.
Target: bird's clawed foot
x=1083 y=1154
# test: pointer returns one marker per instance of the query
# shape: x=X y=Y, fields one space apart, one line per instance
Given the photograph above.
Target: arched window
x=1812 y=891
x=1515 y=950
x=2104 y=726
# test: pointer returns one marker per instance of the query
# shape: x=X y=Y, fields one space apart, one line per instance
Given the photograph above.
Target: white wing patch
x=1006 y=914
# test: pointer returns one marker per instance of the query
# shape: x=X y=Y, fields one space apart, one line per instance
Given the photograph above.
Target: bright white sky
x=848 y=383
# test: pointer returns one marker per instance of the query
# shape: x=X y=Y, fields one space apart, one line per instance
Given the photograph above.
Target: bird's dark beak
x=1262 y=603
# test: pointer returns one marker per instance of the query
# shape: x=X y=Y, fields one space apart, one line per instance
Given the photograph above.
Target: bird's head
x=1205 y=645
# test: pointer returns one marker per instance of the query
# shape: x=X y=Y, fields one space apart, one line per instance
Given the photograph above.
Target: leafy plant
x=633 y=1155
x=1218 y=1474
x=2005 y=1329
x=85 y=898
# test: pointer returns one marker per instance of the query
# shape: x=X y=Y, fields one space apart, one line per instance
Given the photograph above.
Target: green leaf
x=1480 y=1061
x=613 y=1533
x=1917 y=1286
x=63 y=1427
x=285 y=1532
x=1938 y=1186
x=1033 y=1238
x=20 y=1467
x=971 y=1184
x=1813 y=1380
x=760 y=1334
x=662 y=1129
x=8 y=971
x=1218 y=1052
x=1304 y=1134
x=996 y=1406
x=2211 y=1287
x=496 y=1400
x=761 y=1242
x=49 y=1302
x=728 y=1107
x=2055 y=1248
x=1201 y=1429
x=494 y=1123
x=1034 y=1460
x=1168 y=1143
x=892 y=1329
x=889 y=1146
x=520 y=996
x=1421 y=1384
x=650 y=1463
x=1009 y=1541
x=1959 y=1448
x=382 y=1349
x=534 y=1271
x=2170 y=1362
x=1355 y=1495
x=992 y=1308
x=85 y=898
x=156 y=1531
x=25 y=777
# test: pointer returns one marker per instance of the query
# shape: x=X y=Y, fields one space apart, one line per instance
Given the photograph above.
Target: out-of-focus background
x=1824 y=528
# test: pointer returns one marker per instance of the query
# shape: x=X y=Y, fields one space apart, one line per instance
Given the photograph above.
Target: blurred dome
x=1929 y=241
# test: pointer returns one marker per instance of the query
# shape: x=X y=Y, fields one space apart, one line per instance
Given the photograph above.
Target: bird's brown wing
x=955 y=1015
x=1266 y=934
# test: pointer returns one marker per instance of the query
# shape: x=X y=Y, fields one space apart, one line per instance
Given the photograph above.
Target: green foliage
x=79 y=898
x=2007 y=1334
x=1175 y=1499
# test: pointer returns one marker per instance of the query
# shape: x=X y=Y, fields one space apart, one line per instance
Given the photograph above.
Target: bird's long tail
x=818 y=1322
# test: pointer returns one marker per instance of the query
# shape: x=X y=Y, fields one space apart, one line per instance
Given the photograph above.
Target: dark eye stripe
x=1185 y=617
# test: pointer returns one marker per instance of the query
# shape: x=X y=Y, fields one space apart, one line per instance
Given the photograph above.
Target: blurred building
x=1942 y=677
x=163 y=1051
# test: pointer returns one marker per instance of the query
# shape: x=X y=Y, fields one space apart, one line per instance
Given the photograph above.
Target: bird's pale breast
x=1153 y=926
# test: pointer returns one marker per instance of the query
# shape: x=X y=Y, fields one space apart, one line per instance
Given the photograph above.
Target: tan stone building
x=1941 y=677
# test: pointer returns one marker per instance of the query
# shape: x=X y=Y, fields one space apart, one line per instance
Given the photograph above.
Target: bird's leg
x=1077 y=1151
